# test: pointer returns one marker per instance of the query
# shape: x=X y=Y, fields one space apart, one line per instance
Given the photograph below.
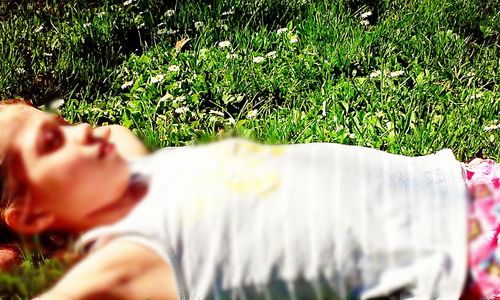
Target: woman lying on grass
x=240 y=220
x=18 y=111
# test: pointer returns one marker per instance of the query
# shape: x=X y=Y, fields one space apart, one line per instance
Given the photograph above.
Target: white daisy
x=182 y=109
x=258 y=59
x=198 y=25
x=491 y=127
x=271 y=54
x=365 y=22
x=376 y=73
x=396 y=73
x=169 y=13
x=476 y=96
x=252 y=114
x=224 y=44
x=20 y=71
x=366 y=14
x=128 y=2
x=157 y=78
x=126 y=84
x=294 y=39
x=281 y=30
x=173 y=68
x=216 y=112
x=179 y=99
x=227 y=13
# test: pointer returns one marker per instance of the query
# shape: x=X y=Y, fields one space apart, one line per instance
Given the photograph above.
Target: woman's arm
x=127 y=144
x=118 y=270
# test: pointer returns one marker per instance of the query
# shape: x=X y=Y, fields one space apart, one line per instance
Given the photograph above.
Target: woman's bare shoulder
x=121 y=269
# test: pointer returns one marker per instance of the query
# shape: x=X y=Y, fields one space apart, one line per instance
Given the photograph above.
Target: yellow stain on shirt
x=247 y=148
x=255 y=185
x=277 y=150
x=244 y=170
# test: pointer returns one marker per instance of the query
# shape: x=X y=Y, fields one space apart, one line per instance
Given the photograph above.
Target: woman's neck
x=114 y=212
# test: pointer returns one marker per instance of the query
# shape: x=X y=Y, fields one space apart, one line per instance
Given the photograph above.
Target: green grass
x=33 y=276
x=448 y=51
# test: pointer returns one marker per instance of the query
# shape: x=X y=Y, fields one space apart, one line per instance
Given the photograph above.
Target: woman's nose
x=82 y=133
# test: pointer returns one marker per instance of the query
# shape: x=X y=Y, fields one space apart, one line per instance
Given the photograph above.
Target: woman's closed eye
x=51 y=140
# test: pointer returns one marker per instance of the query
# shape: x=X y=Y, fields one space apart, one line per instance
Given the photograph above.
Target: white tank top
x=241 y=220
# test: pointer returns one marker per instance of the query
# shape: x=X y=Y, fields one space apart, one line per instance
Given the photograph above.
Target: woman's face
x=71 y=174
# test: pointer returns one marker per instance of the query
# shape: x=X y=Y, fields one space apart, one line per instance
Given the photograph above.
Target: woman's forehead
x=11 y=123
x=14 y=119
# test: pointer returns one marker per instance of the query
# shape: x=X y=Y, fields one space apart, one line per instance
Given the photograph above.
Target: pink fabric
x=483 y=181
